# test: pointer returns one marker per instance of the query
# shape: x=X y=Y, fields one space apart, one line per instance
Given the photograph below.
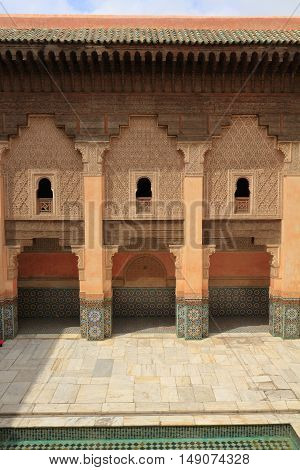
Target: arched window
x=44 y=196
x=143 y=196
x=242 y=196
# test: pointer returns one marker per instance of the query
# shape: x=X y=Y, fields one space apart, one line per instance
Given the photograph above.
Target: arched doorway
x=239 y=292
x=143 y=292
x=48 y=289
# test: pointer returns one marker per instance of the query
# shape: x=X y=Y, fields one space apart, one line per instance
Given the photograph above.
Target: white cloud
x=39 y=7
x=159 y=7
x=194 y=7
x=153 y=7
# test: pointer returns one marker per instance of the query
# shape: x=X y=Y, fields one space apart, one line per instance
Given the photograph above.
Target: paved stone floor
x=157 y=377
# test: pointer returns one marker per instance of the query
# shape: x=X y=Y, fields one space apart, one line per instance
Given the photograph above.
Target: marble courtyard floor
x=134 y=379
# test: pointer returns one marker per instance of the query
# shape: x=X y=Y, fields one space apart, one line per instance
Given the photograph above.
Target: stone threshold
x=130 y=408
x=136 y=414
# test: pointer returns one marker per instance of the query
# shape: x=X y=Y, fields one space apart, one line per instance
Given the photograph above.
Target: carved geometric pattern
x=291 y=151
x=12 y=261
x=286 y=149
x=244 y=146
x=42 y=145
x=274 y=251
x=207 y=252
x=194 y=156
x=92 y=153
x=143 y=146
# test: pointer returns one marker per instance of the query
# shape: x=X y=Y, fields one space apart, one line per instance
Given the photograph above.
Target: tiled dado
x=192 y=318
x=8 y=318
x=143 y=301
x=48 y=302
x=95 y=319
x=230 y=301
x=285 y=317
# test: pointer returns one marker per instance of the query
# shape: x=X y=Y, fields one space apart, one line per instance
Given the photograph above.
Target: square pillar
x=192 y=318
x=95 y=308
x=191 y=291
x=8 y=269
x=285 y=285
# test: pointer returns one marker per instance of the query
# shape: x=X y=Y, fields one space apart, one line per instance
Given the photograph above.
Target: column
x=191 y=290
x=8 y=268
x=95 y=307
x=285 y=288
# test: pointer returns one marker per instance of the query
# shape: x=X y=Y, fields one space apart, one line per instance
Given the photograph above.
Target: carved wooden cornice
x=139 y=68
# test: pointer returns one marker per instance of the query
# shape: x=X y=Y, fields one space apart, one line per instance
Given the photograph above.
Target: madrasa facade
x=149 y=168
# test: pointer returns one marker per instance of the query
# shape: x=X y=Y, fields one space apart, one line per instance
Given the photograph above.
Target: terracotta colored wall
x=48 y=265
x=252 y=264
x=120 y=261
x=239 y=269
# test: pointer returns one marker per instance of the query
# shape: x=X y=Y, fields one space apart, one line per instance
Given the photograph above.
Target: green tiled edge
x=149 y=36
x=233 y=436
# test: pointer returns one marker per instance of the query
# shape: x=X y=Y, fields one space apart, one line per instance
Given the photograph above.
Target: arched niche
x=145 y=271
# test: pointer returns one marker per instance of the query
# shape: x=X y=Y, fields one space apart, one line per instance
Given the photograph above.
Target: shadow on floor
x=144 y=325
x=38 y=326
x=239 y=324
x=123 y=325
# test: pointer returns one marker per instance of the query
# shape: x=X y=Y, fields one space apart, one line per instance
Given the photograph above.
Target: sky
x=154 y=7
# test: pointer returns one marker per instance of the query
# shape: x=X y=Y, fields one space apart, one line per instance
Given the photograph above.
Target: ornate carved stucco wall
x=244 y=149
x=143 y=149
x=41 y=149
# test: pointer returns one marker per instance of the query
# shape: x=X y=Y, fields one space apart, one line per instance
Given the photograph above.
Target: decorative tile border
x=8 y=318
x=95 y=319
x=244 y=301
x=48 y=302
x=192 y=318
x=143 y=301
x=285 y=317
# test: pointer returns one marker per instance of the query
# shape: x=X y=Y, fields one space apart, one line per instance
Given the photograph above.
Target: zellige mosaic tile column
x=192 y=318
x=8 y=319
x=285 y=317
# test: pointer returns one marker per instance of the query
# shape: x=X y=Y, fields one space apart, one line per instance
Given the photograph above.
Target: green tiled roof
x=149 y=36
